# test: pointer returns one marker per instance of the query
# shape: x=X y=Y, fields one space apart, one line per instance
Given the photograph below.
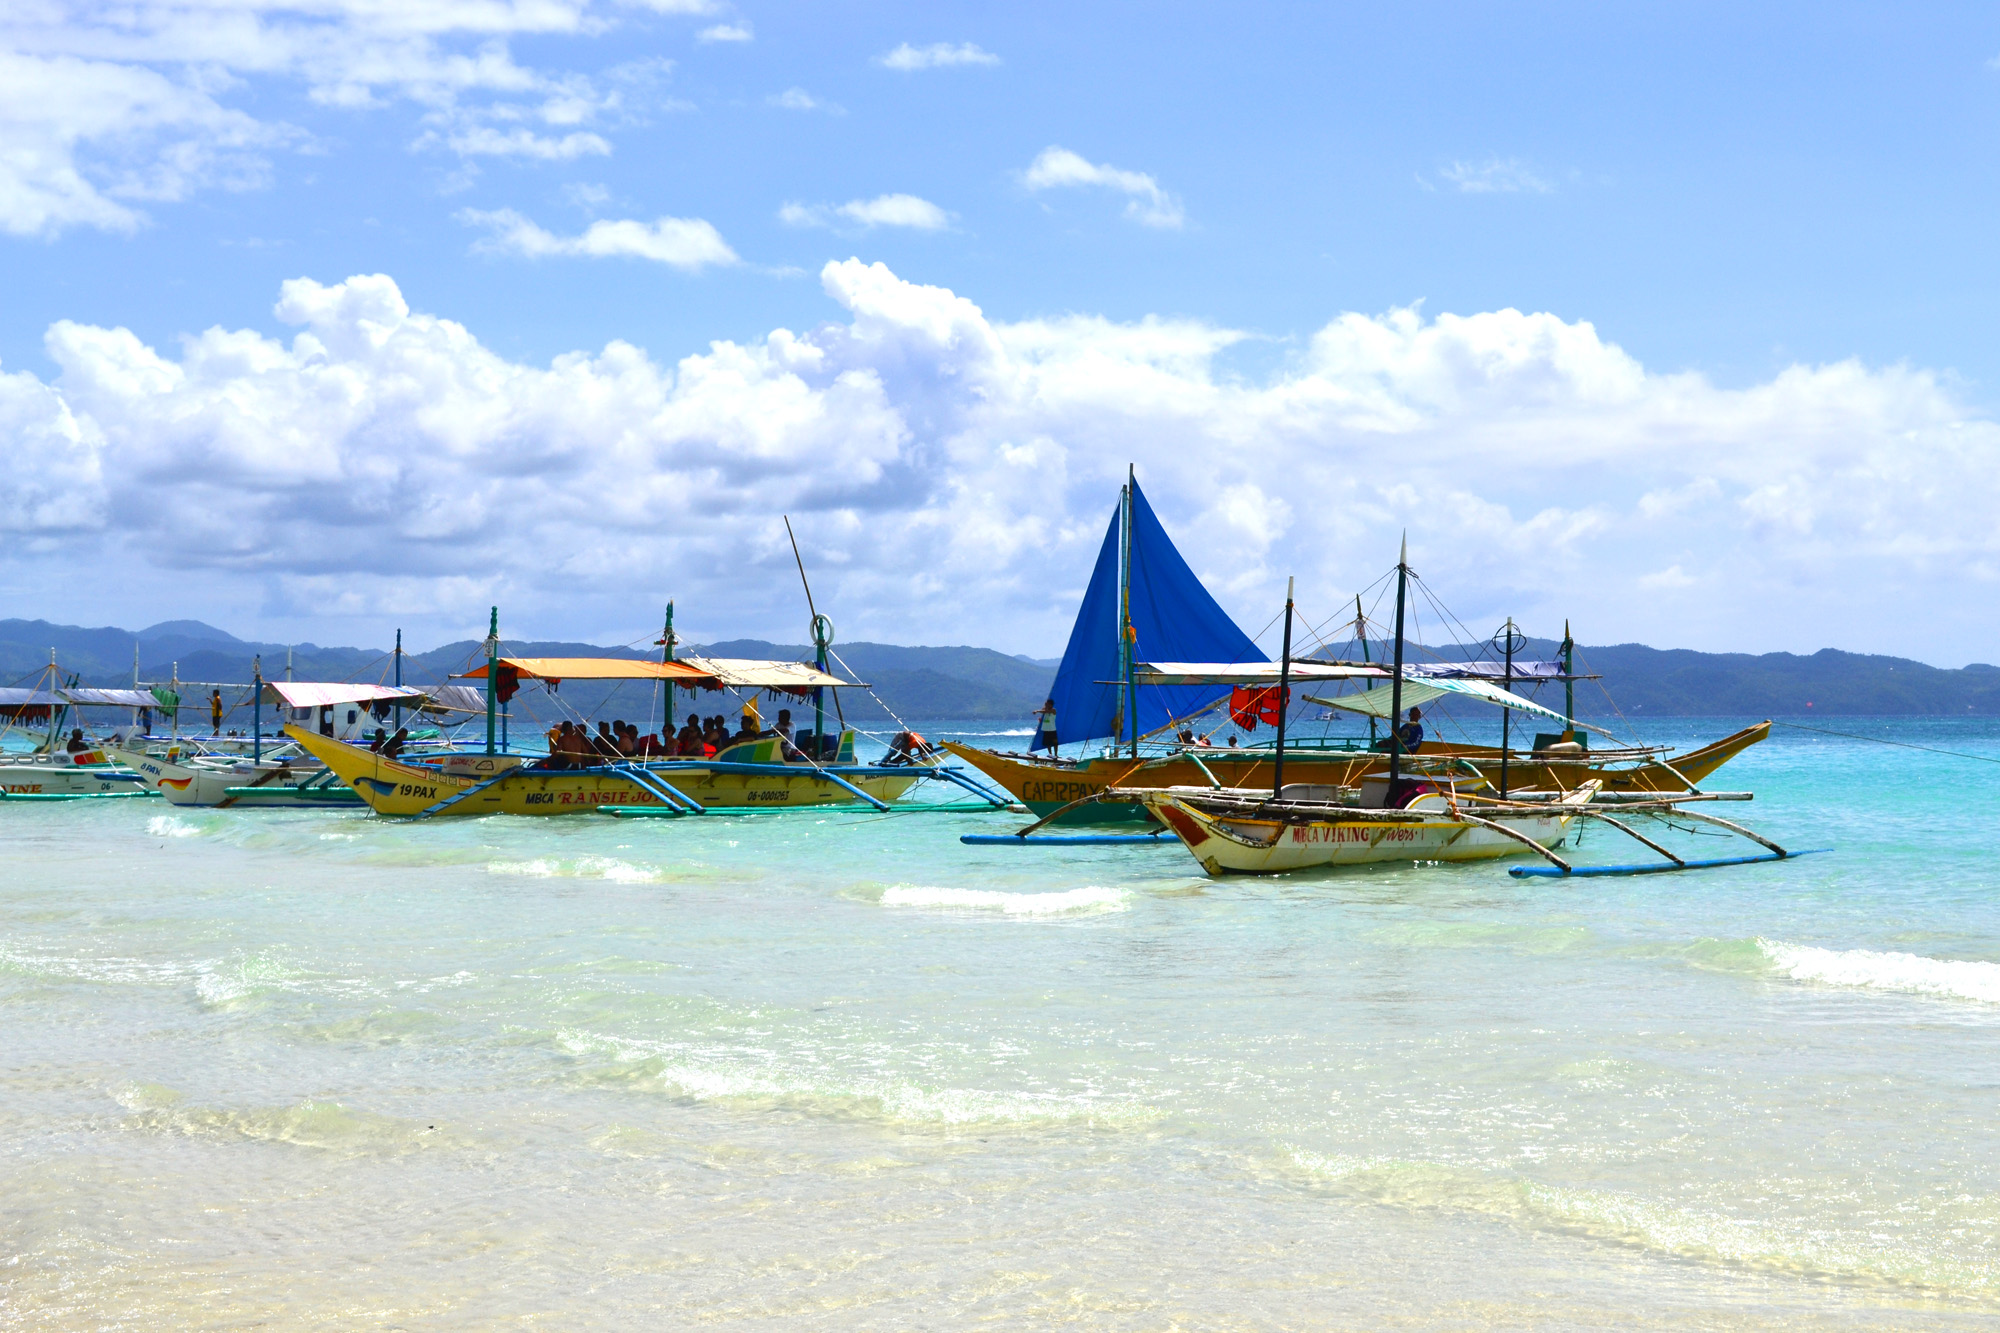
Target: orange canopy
x=597 y=668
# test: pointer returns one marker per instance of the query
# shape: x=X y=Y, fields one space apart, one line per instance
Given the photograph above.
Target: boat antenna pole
x=822 y=633
x=1396 y=680
x=492 y=671
x=399 y=678
x=1126 y=636
x=1569 y=684
x=257 y=708
x=1361 y=633
x=1284 y=693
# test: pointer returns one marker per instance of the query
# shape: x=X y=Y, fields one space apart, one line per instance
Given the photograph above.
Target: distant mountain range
x=972 y=684
x=979 y=684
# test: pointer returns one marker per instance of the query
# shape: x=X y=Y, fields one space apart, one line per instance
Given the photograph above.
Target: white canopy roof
x=1375 y=700
x=319 y=694
x=752 y=674
x=112 y=698
x=1245 y=673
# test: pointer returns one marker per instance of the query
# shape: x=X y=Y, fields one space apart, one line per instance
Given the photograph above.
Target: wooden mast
x=1125 y=634
x=1569 y=684
x=1284 y=691
x=1396 y=680
x=1508 y=635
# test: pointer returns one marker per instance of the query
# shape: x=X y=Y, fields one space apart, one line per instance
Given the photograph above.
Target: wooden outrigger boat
x=1421 y=809
x=746 y=775
x=765 y=772
x=1248 y=832
x=226 y=782
x=50 y=772
x=1144 y=606
x=1045 y=784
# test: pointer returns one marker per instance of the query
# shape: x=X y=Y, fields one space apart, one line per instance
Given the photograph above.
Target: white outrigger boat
x=223 y=781
x=50 y=772
x=1234 y=831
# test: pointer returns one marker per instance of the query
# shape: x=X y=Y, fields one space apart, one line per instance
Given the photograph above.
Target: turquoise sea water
x=834 y=1070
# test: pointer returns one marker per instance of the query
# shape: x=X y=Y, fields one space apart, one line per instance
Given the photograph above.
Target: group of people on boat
x=573 y=745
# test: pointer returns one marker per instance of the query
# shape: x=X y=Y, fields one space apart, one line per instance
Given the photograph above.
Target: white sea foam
x=171 y=826
x=726 y=1076
x=1868 y=969
x=583 y=867
x=1090 y=898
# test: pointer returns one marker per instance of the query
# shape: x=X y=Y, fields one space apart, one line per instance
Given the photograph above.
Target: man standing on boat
x=1045 y=727
x=215 y=713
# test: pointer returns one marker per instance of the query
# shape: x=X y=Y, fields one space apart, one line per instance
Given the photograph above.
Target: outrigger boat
x=49 y=772
x=1151 y=649
x=1420 y=809
x=765 y=772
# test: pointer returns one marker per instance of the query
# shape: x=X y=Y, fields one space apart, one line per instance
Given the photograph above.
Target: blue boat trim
x=1656 y=868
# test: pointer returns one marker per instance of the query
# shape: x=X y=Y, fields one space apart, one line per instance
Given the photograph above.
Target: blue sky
x=1757 y=409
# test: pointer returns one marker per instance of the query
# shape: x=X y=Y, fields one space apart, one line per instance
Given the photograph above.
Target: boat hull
x=392 y=788
x=1045 y=785
x=66 y=780
x=208 y=788
x=1234 y=844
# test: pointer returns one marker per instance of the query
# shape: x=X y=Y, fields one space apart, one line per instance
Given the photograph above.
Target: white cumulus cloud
x=885 y=210
x=725 y=32
x=935 y=56
x=685 y=243
x=950 y=474
x=1147 y=203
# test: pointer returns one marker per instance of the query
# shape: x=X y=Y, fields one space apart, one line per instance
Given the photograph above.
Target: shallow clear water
x=837 y=1070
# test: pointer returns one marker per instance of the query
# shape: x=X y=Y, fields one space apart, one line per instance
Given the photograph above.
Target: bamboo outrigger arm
x=1735 y=828
x=1521 y=838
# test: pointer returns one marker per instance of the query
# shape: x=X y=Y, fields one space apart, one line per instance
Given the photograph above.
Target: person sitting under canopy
x=1411 y=733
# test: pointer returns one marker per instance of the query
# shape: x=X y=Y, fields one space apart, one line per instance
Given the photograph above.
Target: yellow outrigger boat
x=1045 y=785
x=761 y=773
x=746 y=775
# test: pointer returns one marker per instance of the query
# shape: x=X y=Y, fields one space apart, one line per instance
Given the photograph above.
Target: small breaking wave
x=171 y=826
x=582 y=867
x=704 y=1077
x=1868 y=969
x=1090 y=898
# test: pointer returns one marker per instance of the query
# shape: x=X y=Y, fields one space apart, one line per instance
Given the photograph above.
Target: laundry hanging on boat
x=1251 y=705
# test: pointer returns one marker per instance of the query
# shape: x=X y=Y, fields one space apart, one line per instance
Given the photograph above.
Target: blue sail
x=1175 y=620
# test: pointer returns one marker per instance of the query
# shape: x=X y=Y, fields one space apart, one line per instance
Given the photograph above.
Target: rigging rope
x=1927 y=749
